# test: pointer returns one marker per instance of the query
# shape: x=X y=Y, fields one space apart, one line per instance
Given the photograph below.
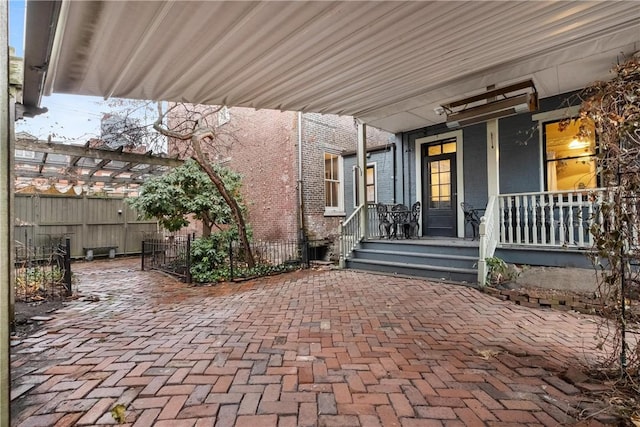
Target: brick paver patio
x=311 y=348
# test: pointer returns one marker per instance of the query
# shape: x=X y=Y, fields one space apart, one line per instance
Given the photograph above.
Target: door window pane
x=440 y=176
x=434 y=150
x=449 y=147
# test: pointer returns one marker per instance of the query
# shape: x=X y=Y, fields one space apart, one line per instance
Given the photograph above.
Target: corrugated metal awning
x=387 y=63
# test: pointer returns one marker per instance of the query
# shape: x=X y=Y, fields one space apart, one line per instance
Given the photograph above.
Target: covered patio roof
x=389 y=64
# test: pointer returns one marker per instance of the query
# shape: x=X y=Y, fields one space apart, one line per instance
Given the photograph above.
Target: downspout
x=395 y=174
x=301 y=225
x=408 y=200
x=404 y=138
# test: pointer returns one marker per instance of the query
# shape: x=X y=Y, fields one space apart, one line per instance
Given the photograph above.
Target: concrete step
x=462 y=248
x=409 y=257
x=464 y=275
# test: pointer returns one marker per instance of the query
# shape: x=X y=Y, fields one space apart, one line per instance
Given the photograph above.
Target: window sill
x=334 y=213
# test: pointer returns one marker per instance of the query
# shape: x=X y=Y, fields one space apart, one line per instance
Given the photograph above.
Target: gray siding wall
x=519 y=154
x=521 y=161
x=475 y=165
x=383 y=161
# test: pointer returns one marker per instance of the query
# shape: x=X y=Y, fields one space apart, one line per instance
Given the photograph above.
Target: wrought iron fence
x=170 y=254
x=269 y=256
x=42 y=272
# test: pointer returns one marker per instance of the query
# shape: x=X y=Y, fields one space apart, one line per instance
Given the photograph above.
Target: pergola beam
x=99 y=166
x=43 y=162
x=84 y=178
x=85 y=164
x=93 y=153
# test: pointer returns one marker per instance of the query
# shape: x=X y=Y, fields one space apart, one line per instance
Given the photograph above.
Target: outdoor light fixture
x=576 y=144
x=493 y=104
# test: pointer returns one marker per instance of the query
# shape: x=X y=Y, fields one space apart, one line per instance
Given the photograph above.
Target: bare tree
x=614 y=109
x=197 y=127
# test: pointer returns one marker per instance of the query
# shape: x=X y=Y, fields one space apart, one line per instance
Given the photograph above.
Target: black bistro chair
x=400 y=219
x=413 y=220
x=384 y=225
x=471 y=217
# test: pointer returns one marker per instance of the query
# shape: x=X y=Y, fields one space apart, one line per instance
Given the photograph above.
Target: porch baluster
x=510 y=214
x=580 y=221
x=591 y=199
x=561 y=230
x=526 y=223
x=570 y=213
x=501 y=209
x=551 y=220
x=518 y=224
x=535 y=223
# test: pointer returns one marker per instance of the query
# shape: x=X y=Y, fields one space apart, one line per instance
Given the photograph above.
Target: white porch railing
x=543 y=219
x=559 y=218
x=489 y=237
x=350 y=234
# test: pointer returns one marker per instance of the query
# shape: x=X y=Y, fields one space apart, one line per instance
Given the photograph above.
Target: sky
x=71 y=118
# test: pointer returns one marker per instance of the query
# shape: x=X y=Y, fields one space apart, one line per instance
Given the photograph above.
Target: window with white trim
x=372 y=194
x=333 y=182
x=570 y=155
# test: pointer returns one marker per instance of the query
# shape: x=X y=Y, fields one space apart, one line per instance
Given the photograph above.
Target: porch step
x=409 y=257
x=466 y=275
x=446 y=260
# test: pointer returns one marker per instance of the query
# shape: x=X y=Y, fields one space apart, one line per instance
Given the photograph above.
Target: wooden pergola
x=85 y=166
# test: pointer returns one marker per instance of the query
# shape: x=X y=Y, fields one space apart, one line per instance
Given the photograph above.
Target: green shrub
x=210 y=260
x=499 y=271
x=210 y=256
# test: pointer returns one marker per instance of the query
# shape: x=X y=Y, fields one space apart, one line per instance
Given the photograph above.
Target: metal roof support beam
x=6 y=220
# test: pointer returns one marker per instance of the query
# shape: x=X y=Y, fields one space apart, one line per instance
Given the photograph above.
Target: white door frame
x=457 y=134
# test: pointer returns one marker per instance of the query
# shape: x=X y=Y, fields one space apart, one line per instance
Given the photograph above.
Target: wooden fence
x=89 y=221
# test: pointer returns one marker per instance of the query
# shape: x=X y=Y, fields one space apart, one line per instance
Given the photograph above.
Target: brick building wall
x=320 y=134
x=264 y=153
x=333 y=134
x=263 y=147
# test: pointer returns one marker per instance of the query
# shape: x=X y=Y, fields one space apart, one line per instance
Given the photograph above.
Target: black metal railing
x=269 y=256
x=171 y=255
x=42 y=272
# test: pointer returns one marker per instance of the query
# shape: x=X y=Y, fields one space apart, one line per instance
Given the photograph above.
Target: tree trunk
x=231 y=201
x=207 y=225
x=197 y=134
x=206 y=229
